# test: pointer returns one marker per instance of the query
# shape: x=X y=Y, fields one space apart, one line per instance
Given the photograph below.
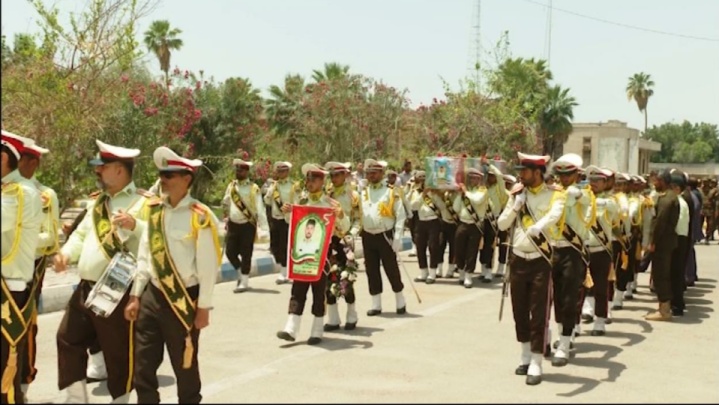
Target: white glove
x=262 y=234
x=534 y=230
x=348 y=240
x=519 y=201
x=354 y=232
x=574 y=192
x=397 y=245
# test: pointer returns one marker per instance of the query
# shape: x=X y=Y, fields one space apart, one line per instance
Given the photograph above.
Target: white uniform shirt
x=245 y=189
x=607 y=209
x=424 y=211
x=479 y=199
x=442 y=201
x=19 y=268
x=83 y=245
x=195 y=259
x=545 y=206
x=286 y=189
x=578 y=212
x=498 y=197
x=349 y=200
x=371 y=198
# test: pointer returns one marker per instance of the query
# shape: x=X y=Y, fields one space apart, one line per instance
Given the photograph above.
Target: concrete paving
x=449 y=348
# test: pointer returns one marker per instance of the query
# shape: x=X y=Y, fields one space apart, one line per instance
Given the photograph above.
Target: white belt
x=16 y=285
x=527 y=256
x=244 y=221
x=428 y=219
x=376 y=231
x=595 y=249
x=471 y=222
x=561 y=244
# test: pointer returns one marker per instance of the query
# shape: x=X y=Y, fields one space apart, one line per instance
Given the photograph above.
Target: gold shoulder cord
x=17 y=190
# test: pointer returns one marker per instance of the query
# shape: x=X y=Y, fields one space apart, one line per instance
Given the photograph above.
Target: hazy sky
x=412 y=44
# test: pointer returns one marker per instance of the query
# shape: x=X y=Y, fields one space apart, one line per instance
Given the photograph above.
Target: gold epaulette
x=203 y=214
x=144 y=193
x=95 y=194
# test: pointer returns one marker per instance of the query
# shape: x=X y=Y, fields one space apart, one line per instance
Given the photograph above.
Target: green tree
x=282 y=109
x=556 y=120
x=685 y=141
x=640 y=89
x=161 y=40
x=696 y=152
x=332 y=71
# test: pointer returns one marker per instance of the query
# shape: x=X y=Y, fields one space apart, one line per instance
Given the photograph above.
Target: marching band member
x=349 y=201
x=246 y=221
x=114 y=223
x=314 y=183
x=280 y=193
x=532 y=213
x=382 y=225
x=570 y=260
x=503 y=236
x=47 y=245
x=498 y=197
x=471 y=204
x=22 y=218
x=177 y=265
x=448 y=221
x=427 y=229
x=621 y=229
x=600 y=246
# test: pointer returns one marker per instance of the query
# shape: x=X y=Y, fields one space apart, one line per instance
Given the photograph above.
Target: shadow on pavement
x=254 y=290
x=586 y=384
x=645 y=325
x=364 y=331
x=101 y=388
x=336 y=343
x=614 y=369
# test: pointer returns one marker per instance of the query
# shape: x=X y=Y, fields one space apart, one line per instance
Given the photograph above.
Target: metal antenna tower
x=475 y=53
x=548 y=35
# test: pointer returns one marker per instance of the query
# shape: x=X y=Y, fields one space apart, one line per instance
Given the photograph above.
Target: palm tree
x=161 y=40
x=332 y=71
x=283 y=105
x=640 y=89
x=556 y=120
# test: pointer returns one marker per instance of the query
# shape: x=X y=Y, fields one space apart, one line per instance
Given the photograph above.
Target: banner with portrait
x=308 y=242
x=446 y=173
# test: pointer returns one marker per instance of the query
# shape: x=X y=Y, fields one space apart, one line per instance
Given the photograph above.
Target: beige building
x=612 y=145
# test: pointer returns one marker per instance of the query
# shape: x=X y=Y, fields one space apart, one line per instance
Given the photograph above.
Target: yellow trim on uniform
x=131 y=368
x=11 y=189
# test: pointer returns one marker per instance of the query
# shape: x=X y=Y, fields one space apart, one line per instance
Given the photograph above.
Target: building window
x=587 y=150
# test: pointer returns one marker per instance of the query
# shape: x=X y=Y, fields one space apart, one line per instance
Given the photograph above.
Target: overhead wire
x=634 y=27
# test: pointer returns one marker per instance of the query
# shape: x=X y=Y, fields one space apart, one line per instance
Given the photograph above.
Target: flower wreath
x=341 y=278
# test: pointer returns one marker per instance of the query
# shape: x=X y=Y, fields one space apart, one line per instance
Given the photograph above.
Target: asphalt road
x=449 y=348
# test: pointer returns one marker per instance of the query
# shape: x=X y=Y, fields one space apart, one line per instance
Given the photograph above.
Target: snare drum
x=112 y=285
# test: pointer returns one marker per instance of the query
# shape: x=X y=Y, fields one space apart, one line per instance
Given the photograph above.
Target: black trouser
x=278 y=240
x=447 y=238
x=379 y=247
x=428 y=237
x=467 y=242
x=486 y=254
x=80 y=328
x=678 y=270
x=157 y=327
x=340 y=257
x=14 y=395
x=583 y=293
x=627 y=276
x=28 y=371
x=240 y=242
x=599 y=263
x=298 y=296
x=503 y=243
x=567 y=267
x=412 y=223
x=529 y=286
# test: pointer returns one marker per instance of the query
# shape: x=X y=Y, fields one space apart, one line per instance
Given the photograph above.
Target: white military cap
x=391 y=172
x=15 y=143
x=473 y=171
x=240 y=162
x=283 y=165
x=531 y=161
x=111 y=153
x=35 y=150
x=168 y=161
x=622 y=177
x=419 y=173
x=336 y=167
x=598 y=172
x=568 y=163
x=313 y=169
x=371 y=165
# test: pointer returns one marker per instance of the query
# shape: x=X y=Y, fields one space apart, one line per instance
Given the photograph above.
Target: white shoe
x=526 y=355
x=617 y=303
x=450 y=271
x=400 y=302
x=316 y=332
x=500 y=270
x=629 y=293
x=413 y=252
x=351 y=314
x=588 y=307
x=423 y=274
x=486 y=274
x=599 y=328
x=333 y=315
x=282 y=277
x=24 y=388
x=292 y=327
x=563 y=347
x=432 y=276
x=535 y=364
x=76 y=393
x=96 y=369
x=244 y=283
x=123 y=399
x=467 y=280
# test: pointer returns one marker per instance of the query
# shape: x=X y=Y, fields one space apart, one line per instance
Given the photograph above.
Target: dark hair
x=12 y=159
x=693 y=183
x=129 y=165
x=665 y=175
x=311 y=222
